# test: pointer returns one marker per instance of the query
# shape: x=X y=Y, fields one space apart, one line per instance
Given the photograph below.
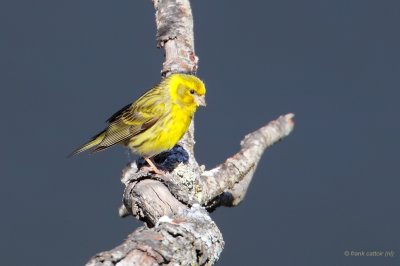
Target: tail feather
x=96 y=140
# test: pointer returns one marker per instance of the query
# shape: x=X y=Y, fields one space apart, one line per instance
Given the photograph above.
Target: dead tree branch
x=178 y=230
x=227 y=183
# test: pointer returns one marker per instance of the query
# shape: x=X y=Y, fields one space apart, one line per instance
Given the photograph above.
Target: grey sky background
x=330 y=187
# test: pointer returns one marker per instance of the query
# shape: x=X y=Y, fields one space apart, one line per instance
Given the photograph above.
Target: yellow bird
x=156 y=121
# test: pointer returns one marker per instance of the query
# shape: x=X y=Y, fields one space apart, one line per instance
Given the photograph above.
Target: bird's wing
x=134 y=118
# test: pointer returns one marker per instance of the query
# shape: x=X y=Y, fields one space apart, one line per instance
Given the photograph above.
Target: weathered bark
x=179 y=230
x=175 y=33
x=190 y=238
x=227 y=183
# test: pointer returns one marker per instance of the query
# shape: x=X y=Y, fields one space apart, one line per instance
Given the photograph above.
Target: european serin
x=156 y=121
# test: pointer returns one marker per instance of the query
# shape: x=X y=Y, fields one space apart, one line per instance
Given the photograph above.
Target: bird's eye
x=192 y=91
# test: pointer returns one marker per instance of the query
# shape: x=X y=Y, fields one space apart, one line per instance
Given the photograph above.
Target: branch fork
x=175 y=207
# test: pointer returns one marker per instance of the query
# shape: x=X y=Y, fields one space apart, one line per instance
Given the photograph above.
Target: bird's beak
x=201 y=100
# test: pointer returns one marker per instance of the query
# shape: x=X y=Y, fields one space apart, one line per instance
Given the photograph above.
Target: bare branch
x=230 y=180
x=191 y=238
x=175 y=33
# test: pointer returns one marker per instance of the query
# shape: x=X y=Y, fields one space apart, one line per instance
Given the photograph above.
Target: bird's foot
x=153 y=167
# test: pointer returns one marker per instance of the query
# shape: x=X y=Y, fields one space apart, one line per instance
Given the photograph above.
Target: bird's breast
x=165 y=134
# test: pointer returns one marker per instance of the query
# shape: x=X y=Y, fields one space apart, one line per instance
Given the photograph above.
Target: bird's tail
x=96 y=140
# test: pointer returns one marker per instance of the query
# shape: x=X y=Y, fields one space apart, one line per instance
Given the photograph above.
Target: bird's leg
x=152 y=165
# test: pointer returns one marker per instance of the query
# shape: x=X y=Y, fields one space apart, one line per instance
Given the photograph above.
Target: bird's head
x=186 y=90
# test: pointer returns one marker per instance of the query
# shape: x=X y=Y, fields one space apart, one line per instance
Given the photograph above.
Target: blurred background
x=331 y=186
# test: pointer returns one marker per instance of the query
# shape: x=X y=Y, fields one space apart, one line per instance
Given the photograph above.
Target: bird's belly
x=162 y=136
